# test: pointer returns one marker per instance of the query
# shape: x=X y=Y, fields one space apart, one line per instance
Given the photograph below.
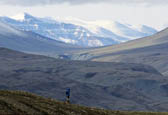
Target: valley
x=126 y=76
x=131 y=87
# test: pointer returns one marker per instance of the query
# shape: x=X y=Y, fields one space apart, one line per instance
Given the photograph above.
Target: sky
x=135 y=12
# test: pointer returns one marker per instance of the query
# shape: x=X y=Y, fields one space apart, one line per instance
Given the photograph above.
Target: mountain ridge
x=19 y=102
x=85 y=34
x=112 y=26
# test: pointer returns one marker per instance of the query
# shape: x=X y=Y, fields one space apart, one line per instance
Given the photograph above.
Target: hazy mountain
x=65 y=32
x=31 y=42
x=117 y=86
x=78 y=33
x=150 y=50
x=127 y=31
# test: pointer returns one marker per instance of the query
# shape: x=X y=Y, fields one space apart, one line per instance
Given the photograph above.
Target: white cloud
x=49 y=2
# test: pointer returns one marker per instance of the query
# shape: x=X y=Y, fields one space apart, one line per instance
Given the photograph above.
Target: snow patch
x=5 y=29
x=19 y=17
x=36 y=26
x=76 y=33
x=95 y=43
x=67 y=40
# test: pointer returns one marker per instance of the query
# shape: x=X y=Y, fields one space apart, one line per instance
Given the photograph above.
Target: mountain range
x=78 y=32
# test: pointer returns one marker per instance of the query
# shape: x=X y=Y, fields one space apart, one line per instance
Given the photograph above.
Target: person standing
x=68 y=96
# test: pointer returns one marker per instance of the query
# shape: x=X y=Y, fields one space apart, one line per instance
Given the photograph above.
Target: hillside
x=150 y=50
x=116 y=86
x=156 y=39
x=16 y=102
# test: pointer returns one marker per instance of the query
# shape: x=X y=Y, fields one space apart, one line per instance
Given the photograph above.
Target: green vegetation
x=17 y=102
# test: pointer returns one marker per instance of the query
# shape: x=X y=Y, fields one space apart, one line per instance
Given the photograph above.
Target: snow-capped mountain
x=120 y=29
x=33 y=43
x=78 y=32
x=66 y=32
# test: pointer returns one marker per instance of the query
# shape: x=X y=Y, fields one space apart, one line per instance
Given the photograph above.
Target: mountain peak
x=21 y=16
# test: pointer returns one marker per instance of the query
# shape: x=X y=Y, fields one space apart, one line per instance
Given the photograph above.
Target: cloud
x=75 y=2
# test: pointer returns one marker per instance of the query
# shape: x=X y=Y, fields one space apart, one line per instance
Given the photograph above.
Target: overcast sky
x=149 y=12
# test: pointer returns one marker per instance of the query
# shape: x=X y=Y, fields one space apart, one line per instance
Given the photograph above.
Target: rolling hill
x=150 y=50
x=16 y=102
x=116 y=86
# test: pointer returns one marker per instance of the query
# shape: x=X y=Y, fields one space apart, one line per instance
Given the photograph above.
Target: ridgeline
x=20 y=103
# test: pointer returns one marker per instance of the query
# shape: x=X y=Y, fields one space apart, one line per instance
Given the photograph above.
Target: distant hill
x=116 y=86
x=21 y=103
x=150 y=50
